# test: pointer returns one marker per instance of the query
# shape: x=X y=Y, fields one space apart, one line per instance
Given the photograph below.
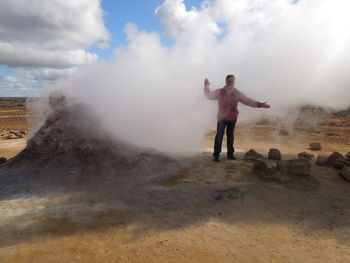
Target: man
x=228 y=98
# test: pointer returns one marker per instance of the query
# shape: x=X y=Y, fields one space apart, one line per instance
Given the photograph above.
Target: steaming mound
x=71 y=151
x=71 y=138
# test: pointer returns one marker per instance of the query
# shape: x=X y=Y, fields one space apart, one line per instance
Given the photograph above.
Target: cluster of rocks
x=265 y=169
x=301 y=166
x=12 y=134
x=338 y=161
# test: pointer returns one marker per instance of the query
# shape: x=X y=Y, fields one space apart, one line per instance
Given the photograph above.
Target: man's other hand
x=264 y=105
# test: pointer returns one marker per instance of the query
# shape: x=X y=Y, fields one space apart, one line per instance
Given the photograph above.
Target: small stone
x=274 y=154
x=283 y=132
x=322 y=160
x=252 y=155
x=295 y=166
x=2 y=160
x=315 y=146
x=305 y=155
x=345 y=172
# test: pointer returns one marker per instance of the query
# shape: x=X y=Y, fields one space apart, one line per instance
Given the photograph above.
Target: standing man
x=228 y=98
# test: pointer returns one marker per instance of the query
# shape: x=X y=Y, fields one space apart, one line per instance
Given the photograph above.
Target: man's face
x=230 y=81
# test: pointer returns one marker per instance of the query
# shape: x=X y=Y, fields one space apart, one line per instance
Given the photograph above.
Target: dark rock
x=252 y=155
x=345 y=172
x=315 y=146
x=274 y=154
x=2 y=160
x=230 y=193
x=334 y=157
x=305 y=155
x=265 y=171
x=283 y=132
x=340 y=163
x=295 y=166
x=322 y=160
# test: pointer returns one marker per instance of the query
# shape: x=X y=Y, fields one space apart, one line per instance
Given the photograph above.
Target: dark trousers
x=220 y=130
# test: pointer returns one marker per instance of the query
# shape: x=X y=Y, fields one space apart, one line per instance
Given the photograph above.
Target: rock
x=322 y=160
x=340 y=163
x=230 y=193
x=265 y=171
x=295 y=166
x=305 y=155
x=252 y=155
x=283 y=132
x=331 y=160
x=11 y=136
x=2 y=160
x=274 y=154
x=345 y=172
x=315 y=146
x=347 y=156
x=18 y=134
x=14 y=134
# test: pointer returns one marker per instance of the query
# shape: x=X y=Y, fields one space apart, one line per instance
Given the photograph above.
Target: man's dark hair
x=230 y=76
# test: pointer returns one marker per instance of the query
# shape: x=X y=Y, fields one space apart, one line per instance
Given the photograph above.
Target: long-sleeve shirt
x=228 y=99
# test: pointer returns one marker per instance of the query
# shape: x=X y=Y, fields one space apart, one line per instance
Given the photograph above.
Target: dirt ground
x=307 y=220
x=13 y=113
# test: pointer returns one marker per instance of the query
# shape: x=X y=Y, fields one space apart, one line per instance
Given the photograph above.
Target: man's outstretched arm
x=250 y=102
x=212 y=95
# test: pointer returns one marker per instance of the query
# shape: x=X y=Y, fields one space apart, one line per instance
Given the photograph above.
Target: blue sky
x=139 y=12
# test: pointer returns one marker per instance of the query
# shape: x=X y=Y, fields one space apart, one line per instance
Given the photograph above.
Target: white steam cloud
x=283 y=52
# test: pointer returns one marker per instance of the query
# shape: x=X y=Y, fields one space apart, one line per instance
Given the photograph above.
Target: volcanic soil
x=163 y=208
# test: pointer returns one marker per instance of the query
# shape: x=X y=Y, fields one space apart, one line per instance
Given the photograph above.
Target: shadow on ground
x=188 y=191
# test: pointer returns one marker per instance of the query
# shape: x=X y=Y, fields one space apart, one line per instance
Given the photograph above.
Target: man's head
x=230 y=80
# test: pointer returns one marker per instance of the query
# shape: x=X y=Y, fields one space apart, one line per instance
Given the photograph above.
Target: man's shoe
x=231 y=158
x=216 y=159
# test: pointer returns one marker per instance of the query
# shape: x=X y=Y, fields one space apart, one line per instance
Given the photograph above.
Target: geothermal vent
x=71 y=144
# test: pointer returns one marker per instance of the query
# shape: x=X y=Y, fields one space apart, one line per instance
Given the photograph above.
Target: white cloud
x=22 y=55
x=28 y=81
x=188 y=26
x=49 y=33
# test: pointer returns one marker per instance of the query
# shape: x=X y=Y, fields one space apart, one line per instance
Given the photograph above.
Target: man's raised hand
x=206 y=85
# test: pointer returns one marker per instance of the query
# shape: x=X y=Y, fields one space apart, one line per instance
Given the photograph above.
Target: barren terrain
x=202 y=212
